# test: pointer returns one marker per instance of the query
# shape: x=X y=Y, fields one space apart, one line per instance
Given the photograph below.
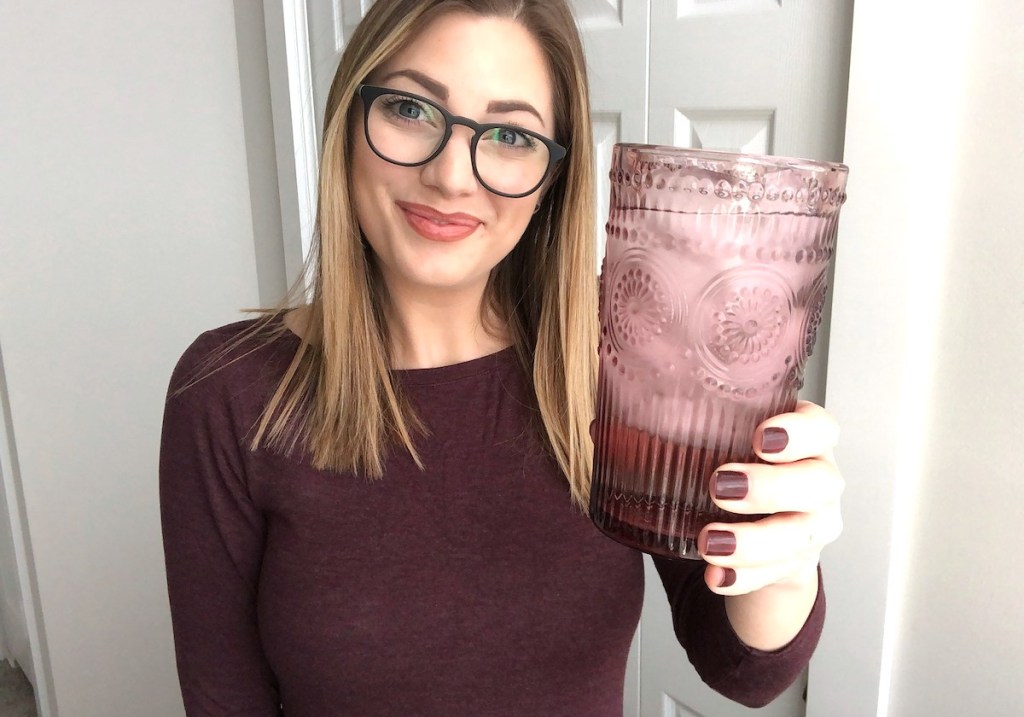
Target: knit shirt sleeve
x=213 y=538
x=742 y=673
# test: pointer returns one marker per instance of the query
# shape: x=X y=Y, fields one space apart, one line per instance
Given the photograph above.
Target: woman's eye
x=409 y=110
x=510 y=137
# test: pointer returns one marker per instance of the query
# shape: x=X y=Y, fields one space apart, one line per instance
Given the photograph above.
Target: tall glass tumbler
x=715 y=271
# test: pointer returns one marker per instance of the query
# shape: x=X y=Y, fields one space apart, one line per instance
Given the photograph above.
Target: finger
x=807 y=432
x=730 y=581
x=753 y=488
x=777 y=538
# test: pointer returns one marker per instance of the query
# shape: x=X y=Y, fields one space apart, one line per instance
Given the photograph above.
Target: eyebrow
x=441 y=91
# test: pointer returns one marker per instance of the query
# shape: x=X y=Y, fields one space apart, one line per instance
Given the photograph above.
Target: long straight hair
x=337 y=398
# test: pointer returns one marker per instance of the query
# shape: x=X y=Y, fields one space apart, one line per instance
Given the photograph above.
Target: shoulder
x=234 y=358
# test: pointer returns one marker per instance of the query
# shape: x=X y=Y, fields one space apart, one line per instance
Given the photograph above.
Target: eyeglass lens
x=408 y=131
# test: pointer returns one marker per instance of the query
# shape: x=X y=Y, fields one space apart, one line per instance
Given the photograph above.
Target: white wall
x=130 y=223
x=925 y=369
x=960 y=644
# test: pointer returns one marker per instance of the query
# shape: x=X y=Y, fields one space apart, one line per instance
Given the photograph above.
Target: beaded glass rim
x=750 y=180
x=696 y=156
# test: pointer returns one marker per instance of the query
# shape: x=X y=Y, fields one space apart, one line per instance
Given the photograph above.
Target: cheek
x=515 y=217
x=370 y=180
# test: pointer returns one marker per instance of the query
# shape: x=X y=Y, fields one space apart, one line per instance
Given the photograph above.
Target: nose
x=451 y=172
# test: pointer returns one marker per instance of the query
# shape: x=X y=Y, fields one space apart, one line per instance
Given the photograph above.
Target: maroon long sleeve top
x=471 y=588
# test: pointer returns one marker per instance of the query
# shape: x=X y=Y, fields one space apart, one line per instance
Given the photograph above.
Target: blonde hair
x=337 y=397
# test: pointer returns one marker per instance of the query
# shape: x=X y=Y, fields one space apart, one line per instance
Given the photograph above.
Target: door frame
x=295 y=140
x=849 y=673
x=37 y=663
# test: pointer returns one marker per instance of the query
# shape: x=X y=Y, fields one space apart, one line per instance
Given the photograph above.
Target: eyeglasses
x=410 y=130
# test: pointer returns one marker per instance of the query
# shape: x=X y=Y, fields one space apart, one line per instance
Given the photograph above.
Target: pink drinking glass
x=715 y=271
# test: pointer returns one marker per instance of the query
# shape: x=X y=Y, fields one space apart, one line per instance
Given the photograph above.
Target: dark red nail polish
x=728 y=578
x=774 y=440
x=729 y=485
x=720 y=542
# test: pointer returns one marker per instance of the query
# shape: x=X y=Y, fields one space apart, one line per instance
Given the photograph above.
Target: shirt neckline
x=456 y=371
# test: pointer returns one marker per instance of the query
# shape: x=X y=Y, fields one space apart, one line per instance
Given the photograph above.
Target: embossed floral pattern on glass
x=715 y=272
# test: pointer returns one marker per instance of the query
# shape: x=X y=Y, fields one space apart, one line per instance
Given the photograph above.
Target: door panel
x=722 y=59
x=744 y=130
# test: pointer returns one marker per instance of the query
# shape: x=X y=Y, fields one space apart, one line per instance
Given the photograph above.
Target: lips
x=438 y=226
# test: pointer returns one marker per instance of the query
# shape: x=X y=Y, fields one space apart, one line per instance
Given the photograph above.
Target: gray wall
x=132 y=218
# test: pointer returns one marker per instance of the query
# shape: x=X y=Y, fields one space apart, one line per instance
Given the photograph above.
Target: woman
x=375 y=504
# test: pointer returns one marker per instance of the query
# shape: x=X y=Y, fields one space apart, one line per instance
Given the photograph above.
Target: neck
x=440 y=328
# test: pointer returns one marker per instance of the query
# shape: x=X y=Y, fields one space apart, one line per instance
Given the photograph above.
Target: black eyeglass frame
x=369 y=93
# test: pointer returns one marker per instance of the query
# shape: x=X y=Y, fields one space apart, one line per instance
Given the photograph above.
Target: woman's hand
x=799 y=492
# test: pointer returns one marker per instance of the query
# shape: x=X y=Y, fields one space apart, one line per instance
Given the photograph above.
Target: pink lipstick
x=437 y=226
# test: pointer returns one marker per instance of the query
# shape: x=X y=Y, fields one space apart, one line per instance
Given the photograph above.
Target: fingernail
x=774 y=440
x=729 y=485
x=720 y=542
x=728 y=578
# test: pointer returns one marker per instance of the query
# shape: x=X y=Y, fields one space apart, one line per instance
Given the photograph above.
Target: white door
x=615 y=40
x=740 y=75
x=756 y=76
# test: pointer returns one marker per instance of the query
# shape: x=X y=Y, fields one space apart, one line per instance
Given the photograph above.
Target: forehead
x=479 y=59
